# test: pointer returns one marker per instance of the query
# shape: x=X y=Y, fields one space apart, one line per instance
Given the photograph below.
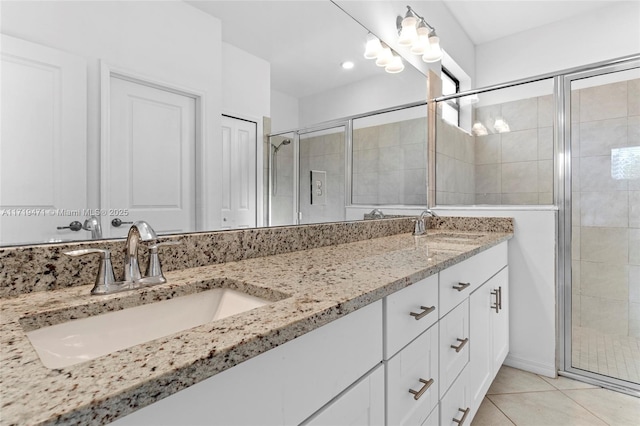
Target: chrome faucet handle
x=105 y=277
x=418 y=227
x=154 y=271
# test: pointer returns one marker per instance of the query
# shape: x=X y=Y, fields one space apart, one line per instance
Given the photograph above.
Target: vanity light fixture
x=501 y=126
x=478 y=129
x=384 y=56
x=415 y=32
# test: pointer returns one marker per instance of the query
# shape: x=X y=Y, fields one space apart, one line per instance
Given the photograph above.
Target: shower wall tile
x=634 y=319
x=520 y=177
x=634 y=209
x=609 y=245
x=520 y=146
x=603 y=102
x=575 y=208
x=389 y=135
x=545 y=177
x=576 y=289
x=575 y=140
x=487 y=199
x=598 y=137
x=488 y=179
x=575 y=106
x=545 y=111
x=634 y=246
x=545 y=143
x=391 y=158
x=521 y=198
x=464 y=147
x=609 y=209
x=634 y=284
x=575 y=174
x=604 y=280
x=366 y=161
x=606 y=315
x=633 y=97
x=576 y=237
x=595 y=175
x=413 y=131
x=365 y=138
x=488 y=149
x=521 y=114
x=414 y=156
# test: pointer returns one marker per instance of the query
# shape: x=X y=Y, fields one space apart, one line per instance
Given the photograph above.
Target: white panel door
x=151 y=158
x=238 y=174
x=43 y=166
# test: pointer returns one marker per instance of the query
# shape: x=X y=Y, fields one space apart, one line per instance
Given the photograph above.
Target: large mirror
x=117 y=111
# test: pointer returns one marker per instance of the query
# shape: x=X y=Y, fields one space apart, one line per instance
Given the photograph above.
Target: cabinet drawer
x=458 y=281
x=362 y=404
x=409 y=312
x=415 y=368
x=455 y=408
x=434 y=418
x=454 y=344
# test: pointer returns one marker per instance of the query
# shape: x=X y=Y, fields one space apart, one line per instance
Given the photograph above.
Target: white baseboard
x=548 y=370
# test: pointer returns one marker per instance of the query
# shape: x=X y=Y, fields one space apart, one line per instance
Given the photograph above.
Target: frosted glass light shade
x=395 y=66
x=422 y=42
x=372 y=48
x=408 y=34
x=433 y=53
x=384 y=57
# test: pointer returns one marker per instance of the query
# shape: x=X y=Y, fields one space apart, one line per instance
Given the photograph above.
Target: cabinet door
x=409 y=312
x=412 y=381
x=361 y=405
x=454 y=344
x=500 y=326
x=455 y=407
x=481 y=359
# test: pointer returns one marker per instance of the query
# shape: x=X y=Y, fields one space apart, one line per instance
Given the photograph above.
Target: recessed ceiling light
x=347 y=65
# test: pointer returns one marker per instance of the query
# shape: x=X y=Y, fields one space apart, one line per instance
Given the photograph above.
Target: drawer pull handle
x=423 y=389
x=500 y=297
x=464 y=416
x=424 y=312
x=461 y=345
x=496 y=306
x=461 y=286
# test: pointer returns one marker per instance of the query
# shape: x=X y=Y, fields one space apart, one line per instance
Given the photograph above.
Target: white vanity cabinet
x=284 y=385
x=489 y=314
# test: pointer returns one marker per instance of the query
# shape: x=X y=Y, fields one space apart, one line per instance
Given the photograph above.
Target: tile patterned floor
x=520 y=398
x=614 y=356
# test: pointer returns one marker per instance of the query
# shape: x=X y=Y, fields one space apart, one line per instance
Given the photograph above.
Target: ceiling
x=306 y=40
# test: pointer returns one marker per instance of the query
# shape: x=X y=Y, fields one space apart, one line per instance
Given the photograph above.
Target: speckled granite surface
x=44 y=267
x=309 y=288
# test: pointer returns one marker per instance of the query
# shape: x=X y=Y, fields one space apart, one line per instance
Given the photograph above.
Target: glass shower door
x=604 y=303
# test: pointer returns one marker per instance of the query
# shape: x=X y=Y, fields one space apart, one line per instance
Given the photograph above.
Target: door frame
x=107 y=71
x=563 y=125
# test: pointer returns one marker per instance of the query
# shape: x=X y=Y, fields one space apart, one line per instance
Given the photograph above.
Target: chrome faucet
x=377 y=214
x=93 y=224
x=420 y=223
x=139 y=231
x=105 y=280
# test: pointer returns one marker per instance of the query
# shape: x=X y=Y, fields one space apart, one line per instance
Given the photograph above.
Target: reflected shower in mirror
x=114 y=109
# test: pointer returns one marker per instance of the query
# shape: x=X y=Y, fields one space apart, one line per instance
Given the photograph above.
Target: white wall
x=532 y=281
x=383 y=91
x=167 y=41
x=595 y=36
x=246 y=88
x=284 y=112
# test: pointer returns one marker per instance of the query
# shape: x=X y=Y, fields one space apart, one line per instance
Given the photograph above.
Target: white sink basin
x=76 y=341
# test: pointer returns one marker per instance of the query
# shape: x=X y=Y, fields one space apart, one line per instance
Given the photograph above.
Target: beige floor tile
x=613 y=407
x=551 y=408
x=511 y=380
x=489 y=415
x=565 y=383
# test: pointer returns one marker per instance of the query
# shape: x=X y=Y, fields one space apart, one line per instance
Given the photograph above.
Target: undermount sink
x=80 y=340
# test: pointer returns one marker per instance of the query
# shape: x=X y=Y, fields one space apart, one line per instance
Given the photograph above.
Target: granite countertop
x=308 y=288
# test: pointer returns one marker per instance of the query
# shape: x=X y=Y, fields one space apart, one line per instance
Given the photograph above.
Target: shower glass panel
x=502 y=152
x=280 y=174
x=390 y=158
x=321 y=195
x=604 y=303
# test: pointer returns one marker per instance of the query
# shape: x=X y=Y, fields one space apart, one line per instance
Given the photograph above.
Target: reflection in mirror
x=69 y=124
x=507 y=158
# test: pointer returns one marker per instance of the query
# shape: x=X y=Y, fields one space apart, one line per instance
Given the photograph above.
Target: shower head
x=284 y=142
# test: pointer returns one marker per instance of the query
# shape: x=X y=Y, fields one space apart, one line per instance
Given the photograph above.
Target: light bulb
x=373 y=47
x=384 y=56
x=395 y=66
x=422 y=42
x=478 y=129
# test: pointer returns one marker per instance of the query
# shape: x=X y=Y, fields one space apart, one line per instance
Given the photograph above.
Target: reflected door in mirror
x=151 y=158
x=43 y=164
